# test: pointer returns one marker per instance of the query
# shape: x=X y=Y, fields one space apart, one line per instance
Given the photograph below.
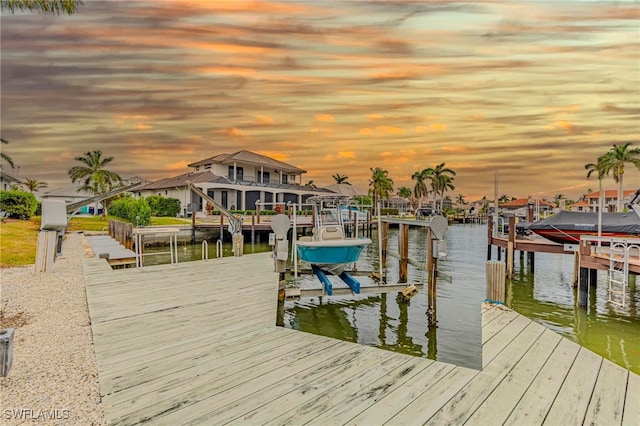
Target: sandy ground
x=54 y=378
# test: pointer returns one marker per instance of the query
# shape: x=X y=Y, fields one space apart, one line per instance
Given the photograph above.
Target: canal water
x=546 y=296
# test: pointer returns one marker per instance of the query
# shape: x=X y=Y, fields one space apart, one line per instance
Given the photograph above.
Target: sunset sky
x=531 y=89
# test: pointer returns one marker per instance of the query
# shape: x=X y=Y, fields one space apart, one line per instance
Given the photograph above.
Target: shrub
x=18 y=204
x=163 y=207
x=134 y=210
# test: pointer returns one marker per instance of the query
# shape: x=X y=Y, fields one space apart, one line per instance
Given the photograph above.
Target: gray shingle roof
x=249 y=157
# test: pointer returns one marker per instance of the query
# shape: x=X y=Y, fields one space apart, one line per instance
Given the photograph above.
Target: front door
x=224 y=199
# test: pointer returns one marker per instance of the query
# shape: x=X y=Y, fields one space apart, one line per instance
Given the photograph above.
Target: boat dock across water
x=196 y=343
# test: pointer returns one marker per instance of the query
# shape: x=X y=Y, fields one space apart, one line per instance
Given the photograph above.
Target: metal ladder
x=618 y=272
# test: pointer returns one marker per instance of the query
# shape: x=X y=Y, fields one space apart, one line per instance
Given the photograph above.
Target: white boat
x=329 y=249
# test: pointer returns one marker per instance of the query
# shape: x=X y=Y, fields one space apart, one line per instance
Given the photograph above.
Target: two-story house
x=236 y=181
x=591 y=201
x=8 y=179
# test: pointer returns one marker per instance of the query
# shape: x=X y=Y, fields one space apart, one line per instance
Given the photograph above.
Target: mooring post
x=403 y=251
x=221 y=227
x=384 y=244
x=489 y=237
x=583 y=288
x=253 y=228
x=431 y=281
x=193 y=227
x=281 y=298
x=511 y=245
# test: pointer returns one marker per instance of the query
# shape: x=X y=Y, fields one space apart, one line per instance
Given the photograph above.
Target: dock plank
x=536 y=402
x=197 y=344
x=631 y=415
x=607 y=400
x=464 y=403
x=515 y=383
x=571 y=403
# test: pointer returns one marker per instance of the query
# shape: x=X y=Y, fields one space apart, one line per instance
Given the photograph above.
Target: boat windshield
x=327 y=217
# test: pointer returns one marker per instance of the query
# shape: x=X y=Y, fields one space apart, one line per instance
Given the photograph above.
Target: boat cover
x=624 y=223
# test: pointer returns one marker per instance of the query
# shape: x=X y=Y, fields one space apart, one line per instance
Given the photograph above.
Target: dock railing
x=620 y=252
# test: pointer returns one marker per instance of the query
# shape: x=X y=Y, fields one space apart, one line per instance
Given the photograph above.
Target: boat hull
x=573 y=237
x=334 y=252
x=567 y=227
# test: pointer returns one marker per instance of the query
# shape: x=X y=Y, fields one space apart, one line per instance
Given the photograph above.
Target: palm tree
x=33 y=185
x=504 y=199
x=460 y=200
x=557 y=198
x=441 y=180
x=341 y=179
x=420 y=189
x=614 y=160
x=95 y=178
x=5 y=157
x=404 y=192
x=598 y=167
x=55 y=7
x=310 y=184
x=380 y=185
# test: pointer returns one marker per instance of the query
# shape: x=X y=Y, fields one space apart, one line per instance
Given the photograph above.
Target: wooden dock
x=117 y=254
x=196 y=343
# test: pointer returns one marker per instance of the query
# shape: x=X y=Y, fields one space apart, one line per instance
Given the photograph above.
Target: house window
x=197 y=168
x=263 y=177
x=239 y=173
x=207 y=166
x=285 y=178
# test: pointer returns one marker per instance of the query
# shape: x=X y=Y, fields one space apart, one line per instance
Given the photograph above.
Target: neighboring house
x=591 y=201
x=520 y=206
x=8 y=179
x=236 y=181
x=70 y=194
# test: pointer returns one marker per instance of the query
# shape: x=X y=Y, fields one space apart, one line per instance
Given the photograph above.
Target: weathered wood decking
x=196 y=343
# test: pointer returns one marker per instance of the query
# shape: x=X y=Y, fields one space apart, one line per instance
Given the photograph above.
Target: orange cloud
x=141 y=126
x=563 y=125
x=382 y=130
x=325 y=118
x=455 y=149
x=437 y=127
x=347 y=154
x=180 y=165
x=386 y=154
x=263 y=119
x=374 y=117
x=233 y=132
x=273 y=154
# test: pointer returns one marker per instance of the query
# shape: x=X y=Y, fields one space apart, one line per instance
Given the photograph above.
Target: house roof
x=181 y=180
x=10 y=176
x=521 y=202
x=249 y=157
x=581 y=203
x=611 y=193
x=70 y=190
x=343 y=189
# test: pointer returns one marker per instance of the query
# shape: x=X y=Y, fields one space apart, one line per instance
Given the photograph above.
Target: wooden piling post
x=431 y=281
x=403 y=251
x=221 y=227
x=583 y=288
x=489 y=238
x=193 y=227
x=511 y=245
x=384 y=244
x=495 y=282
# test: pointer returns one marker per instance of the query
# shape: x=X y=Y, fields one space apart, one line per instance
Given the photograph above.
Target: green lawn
x=19 y=238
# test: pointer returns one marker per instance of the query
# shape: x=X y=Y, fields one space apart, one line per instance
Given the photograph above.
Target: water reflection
x=548 y=297
x=382 y=321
